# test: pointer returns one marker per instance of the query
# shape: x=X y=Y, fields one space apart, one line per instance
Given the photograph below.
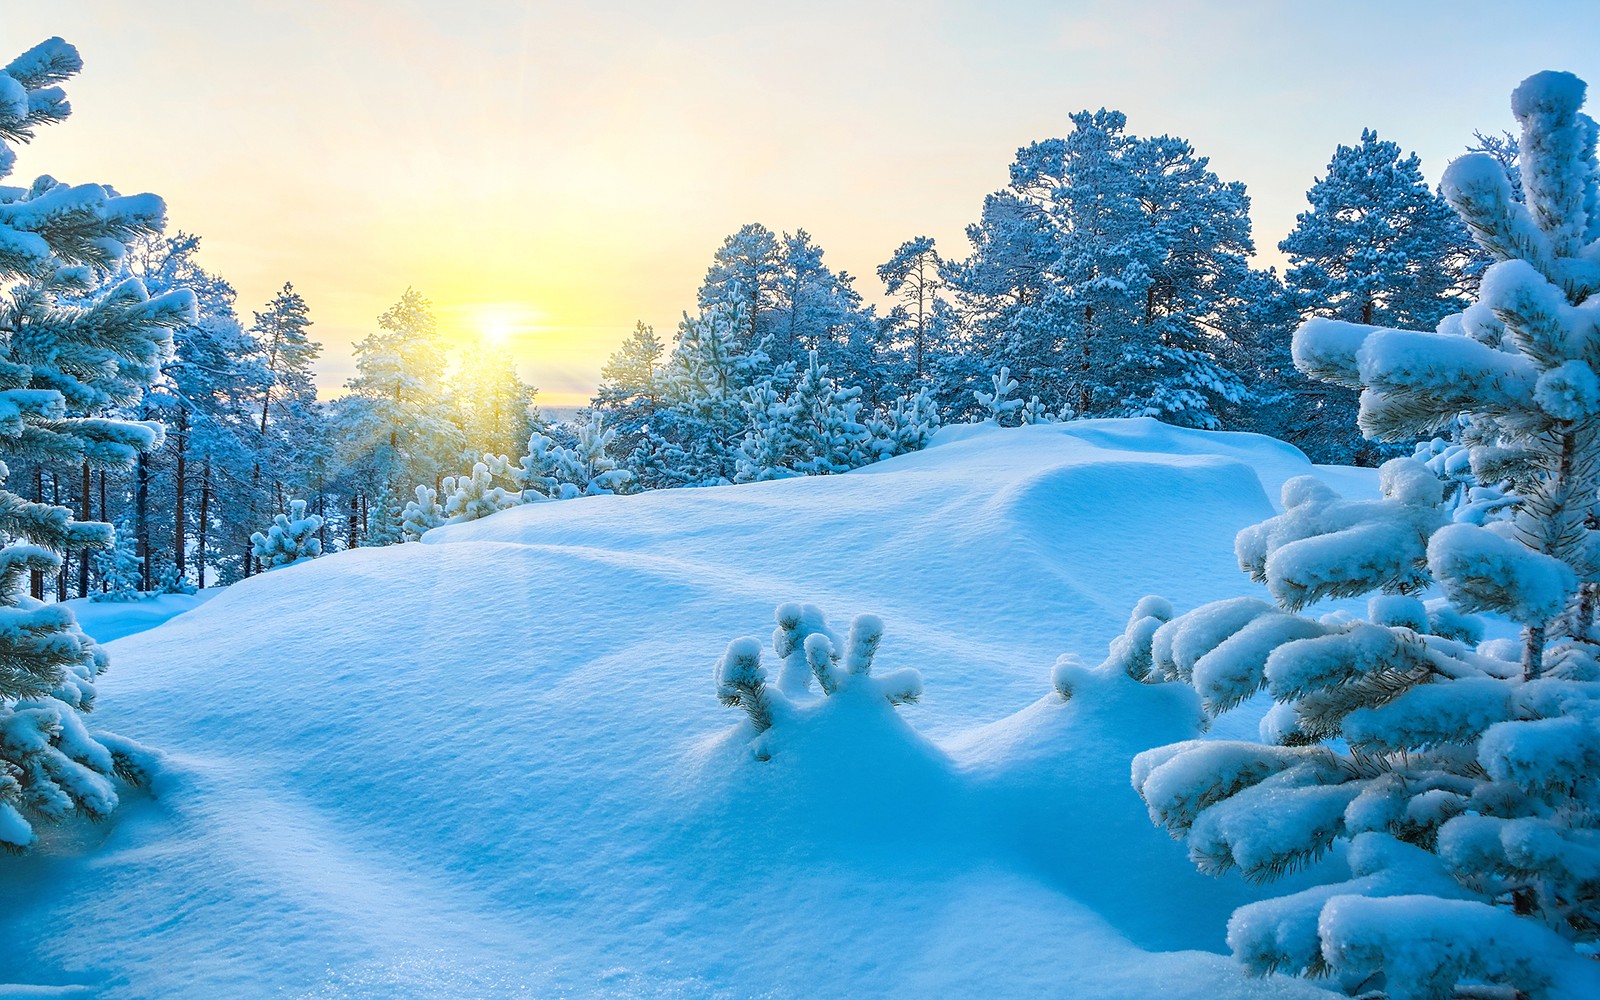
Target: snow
x=494 y=763
x=1482 y=571
x=107 y=622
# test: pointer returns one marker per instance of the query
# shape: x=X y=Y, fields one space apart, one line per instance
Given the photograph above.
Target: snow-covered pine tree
x=744 y=273
x=59 y=365
x=289 y=352
x=1106 y=272
x=906 y=425
x=814 y=308
x=535 y=471
x=1465 y=775
x=395 y=424
x=385 y=518
x=629 y=394
x=1034 y=411
x=1378 y=247
x=209 y=397
x=421 y=515
x=492 y=405
x=769 y=440
x=915 y=274
x=291 y=538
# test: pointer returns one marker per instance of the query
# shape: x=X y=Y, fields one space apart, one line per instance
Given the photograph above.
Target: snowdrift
x=493 y=763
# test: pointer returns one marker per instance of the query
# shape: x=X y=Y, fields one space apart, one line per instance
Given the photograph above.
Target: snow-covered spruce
x=807 y=646
x=58 y=242
x=290 y=538
x=1466 y=777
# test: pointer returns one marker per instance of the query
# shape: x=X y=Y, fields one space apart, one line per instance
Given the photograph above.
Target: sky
x=547 y=174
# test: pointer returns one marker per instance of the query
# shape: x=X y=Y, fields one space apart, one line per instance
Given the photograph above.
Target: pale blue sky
x=562 y=170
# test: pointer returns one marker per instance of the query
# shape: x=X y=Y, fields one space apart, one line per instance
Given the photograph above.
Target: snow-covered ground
x=114 y=620
x=494 y=764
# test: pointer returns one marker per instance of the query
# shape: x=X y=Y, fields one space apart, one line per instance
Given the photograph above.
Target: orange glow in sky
x=549 y=173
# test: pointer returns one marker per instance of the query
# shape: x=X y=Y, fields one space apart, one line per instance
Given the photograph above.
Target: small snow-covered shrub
x=421 y=515
x=291 y=537
x=587 y=468
x=998 y=401
x=474 y=496
x=1466 y=776
x=808 y=648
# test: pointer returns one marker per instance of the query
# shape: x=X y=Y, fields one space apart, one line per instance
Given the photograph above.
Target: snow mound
x=495 y=765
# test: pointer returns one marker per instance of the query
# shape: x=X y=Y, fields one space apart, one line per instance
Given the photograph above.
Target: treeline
x=1112 y=276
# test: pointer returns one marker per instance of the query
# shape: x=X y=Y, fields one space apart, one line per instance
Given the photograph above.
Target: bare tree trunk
x=84 y=513
x=141 y=517
x=322 y=512
x=1085 y=393
x=36 y=578
x=61 y=574
x=180 y=531
x=205 y=519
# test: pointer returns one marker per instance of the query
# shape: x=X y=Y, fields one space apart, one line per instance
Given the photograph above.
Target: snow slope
x=493 y=764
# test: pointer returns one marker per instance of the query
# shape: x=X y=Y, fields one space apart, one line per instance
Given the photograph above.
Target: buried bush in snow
x=809 y=649
x=1467 y=778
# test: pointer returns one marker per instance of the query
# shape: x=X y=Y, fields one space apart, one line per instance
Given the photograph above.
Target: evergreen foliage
x=475 y=495
x=629 y=392
x=71 y=348
x=808 y=649
x=394 y=424
x=1376 y=247
x=290 y=538
x=696 y=436
x=421 y=515
x=1466 y=776
x=1107 y=274
x=120 y=568
x=996 y=401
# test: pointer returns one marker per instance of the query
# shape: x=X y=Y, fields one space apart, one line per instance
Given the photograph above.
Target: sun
x=496 y=331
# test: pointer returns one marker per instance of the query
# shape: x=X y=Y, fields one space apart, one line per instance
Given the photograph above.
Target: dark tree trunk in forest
x=205 y=521
x=84 y=514
x=141 y=517
x=36 y=578
x=1085 y=393
x=180 y=531
x=61 y=574
x=322 y=512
